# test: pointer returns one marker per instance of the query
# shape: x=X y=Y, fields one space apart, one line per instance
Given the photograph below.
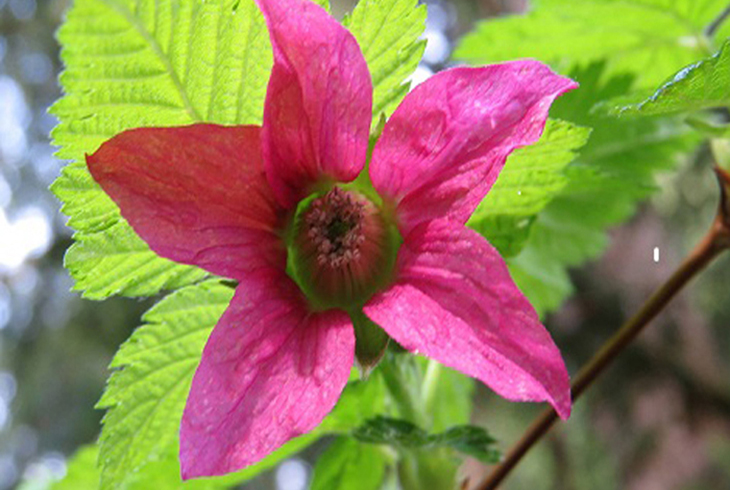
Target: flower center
x=341 y=249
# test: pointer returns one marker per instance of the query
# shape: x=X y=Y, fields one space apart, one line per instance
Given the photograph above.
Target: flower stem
x=403 y=395
x=434 y=469
x=715 y=241
x=430 y=384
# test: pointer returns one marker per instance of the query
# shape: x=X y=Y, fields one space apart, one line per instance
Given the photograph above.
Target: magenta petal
x=318 y=103
x=445 y=145
x=455 y=302
x=271 y=371
x=196 y=194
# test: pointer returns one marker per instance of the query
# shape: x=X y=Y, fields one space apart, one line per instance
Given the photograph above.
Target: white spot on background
x=292 y=475
x=420 y=75
x=14 y=120
x=28 y=235
x=656 y=254
x=437 y=47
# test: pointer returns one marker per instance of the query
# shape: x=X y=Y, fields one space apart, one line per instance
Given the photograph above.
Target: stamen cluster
x=334 y=224
x=341 y=248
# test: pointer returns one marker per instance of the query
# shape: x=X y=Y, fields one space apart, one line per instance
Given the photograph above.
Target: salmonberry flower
x=327 y=250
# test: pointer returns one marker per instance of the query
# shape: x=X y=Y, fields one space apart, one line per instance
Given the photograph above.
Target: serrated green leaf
x=471 y=440
x=531 y=178
x=175 y=62
x=146 y=395
x=148 y=63
x=468 y=439
x=388 y=32
x=128 y=265
x=613 y=173
x=347 y=464
x=395 y=432
x=650 y=38
x=701 y=85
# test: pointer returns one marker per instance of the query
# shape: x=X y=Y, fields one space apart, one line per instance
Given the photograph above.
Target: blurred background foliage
x=659 y=419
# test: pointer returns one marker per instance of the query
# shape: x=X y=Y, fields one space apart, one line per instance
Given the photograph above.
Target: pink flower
x=237 y=202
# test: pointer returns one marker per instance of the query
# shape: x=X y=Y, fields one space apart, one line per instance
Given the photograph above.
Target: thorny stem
x=717 y=22
x=715 y=241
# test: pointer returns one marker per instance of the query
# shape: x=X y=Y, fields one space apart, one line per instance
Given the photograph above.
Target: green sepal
x=371 y=342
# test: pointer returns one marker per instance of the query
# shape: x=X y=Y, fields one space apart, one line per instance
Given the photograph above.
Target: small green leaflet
x=170 y=63
x=701 y=85
x=348 y=464
x=531 y=178
x=650 y=37
x=467 y=439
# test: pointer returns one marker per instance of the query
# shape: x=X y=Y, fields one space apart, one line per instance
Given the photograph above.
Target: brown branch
x=715 y=241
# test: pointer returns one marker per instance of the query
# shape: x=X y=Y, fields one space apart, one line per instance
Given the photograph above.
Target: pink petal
x=445 y=145
x=270 y=371
x=196 y=194
x=455 y=302
x=319 y=100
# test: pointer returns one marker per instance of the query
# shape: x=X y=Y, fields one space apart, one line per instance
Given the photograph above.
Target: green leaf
x=350 y=465
x=614 y=172
x=650 y=38
x=146 y=395
x=471 y=440
x=531 y=178
x=467 y=439
x=388 y=32
x=119 y=261
x=701 y=85
x=169 y=63
x=148 y=63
